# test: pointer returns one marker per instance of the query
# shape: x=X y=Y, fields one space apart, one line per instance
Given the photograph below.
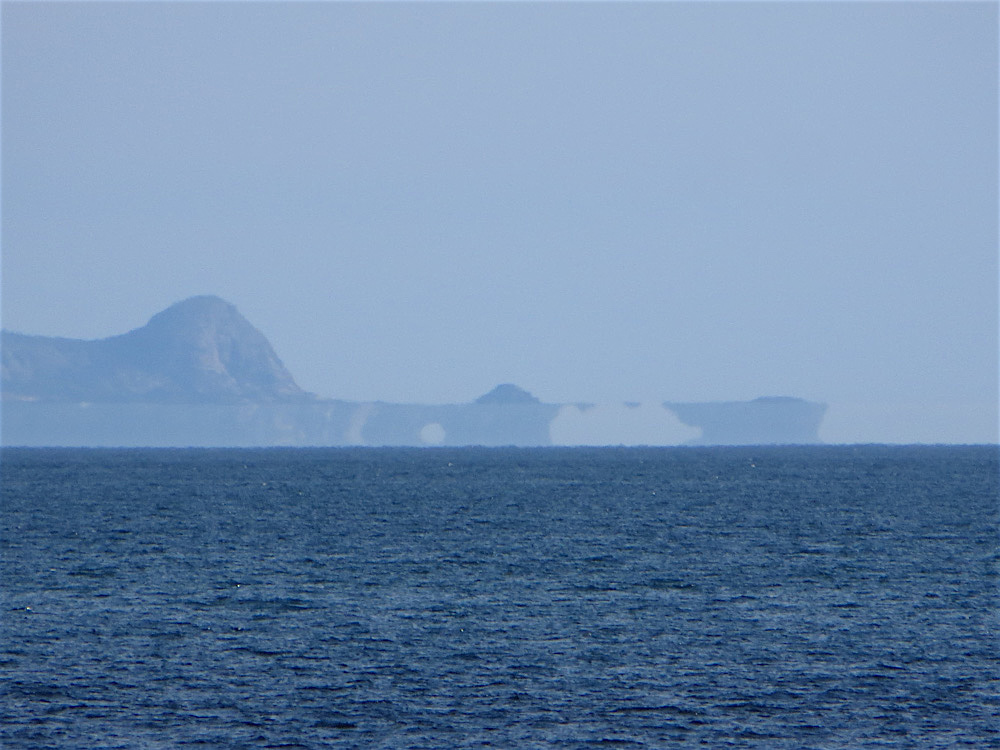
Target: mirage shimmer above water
x=199 y=374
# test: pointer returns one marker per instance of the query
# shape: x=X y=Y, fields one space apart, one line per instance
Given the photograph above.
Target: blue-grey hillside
x=199 y=351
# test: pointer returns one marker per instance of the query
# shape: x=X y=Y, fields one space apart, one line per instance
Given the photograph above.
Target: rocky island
x=200 y=374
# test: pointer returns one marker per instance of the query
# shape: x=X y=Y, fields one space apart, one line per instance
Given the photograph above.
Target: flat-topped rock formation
x=766 y=420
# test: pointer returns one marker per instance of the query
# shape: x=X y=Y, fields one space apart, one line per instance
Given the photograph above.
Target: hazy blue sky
x=600 y=202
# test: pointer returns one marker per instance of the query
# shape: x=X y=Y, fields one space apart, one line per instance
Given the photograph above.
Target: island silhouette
x=200 y=374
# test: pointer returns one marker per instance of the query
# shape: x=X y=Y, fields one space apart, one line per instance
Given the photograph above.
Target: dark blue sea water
x=829 y=597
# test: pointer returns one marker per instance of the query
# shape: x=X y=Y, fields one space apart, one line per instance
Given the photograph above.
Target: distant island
x=200 y=374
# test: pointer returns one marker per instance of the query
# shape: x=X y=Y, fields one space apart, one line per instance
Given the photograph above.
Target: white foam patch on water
x=620 y=424
x=432 y=434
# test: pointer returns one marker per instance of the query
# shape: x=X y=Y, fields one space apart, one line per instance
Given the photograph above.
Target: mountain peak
x=198 y=312
x=198 y=304
x=507 y=393
x=199 y=350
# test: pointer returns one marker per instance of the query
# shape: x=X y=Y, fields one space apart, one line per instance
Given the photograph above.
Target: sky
x=600 y=202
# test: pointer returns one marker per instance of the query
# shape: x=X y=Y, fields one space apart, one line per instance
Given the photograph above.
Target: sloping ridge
x=200 y=350
x=507 y=394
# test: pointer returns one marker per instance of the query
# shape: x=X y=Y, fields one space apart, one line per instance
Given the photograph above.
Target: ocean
x=772 y=597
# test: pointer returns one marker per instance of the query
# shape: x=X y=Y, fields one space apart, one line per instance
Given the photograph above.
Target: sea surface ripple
x=821 y=597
